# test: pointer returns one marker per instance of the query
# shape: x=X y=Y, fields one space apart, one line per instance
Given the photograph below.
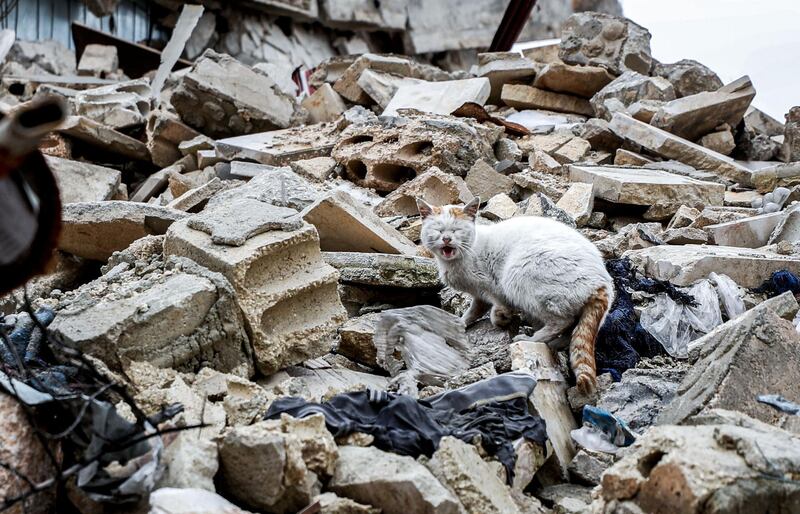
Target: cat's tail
x=581 y=348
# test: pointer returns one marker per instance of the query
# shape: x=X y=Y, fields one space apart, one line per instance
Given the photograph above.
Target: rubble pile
x=253 y=254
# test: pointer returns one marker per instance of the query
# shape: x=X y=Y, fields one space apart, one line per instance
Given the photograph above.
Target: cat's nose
x=446 y=240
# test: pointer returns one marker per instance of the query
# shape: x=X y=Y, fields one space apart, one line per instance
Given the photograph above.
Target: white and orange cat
x=539 y=267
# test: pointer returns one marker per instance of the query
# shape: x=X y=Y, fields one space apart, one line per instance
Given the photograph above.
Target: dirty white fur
x=536 y=266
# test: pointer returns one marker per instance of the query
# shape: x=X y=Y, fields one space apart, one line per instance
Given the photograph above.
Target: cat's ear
x=471 y=209
x=425 y=209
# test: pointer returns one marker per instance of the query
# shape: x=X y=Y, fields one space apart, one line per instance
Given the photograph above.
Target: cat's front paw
x=501 y=317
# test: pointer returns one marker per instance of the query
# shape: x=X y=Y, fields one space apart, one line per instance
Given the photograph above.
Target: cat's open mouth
x=448 y=252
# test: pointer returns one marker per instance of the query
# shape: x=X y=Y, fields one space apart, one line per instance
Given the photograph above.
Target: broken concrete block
x=121 y=105
x=356 y=339
x=670 y=146
x=382 y=154
x=688 y=77
x=587 y=467
x=644 y=110
x=663 y=192
x=596 y=131
x=318 y=169
x=49 y=55
x=280 y=147
x=193 y=200
x=683 y=265
x=83 y=182
x=182 y=317
x=287 y=294
x=720 y=142
x=499 y=207
x=618 y=44
x=753 y=232
x=439 y=97
x=583 y=81
x=95 y=230
x=280 y=187
x=169 y=500
x=329 y=503
x=344 y=225
x=387 y=270
x=718 y=465
x=627 y=89
x=501 y=68
x=165 y=134
x=728 y=371
x=627 y=158
x=791 y=135
x=521 y=96
x=692 y=117
x=459 y=467
x=685 y=236
x=98 y=60
x=483 y=181
x=578 y=202
x=277 y=465
x=539 y=204
x=105 y=138
x=574 y=150
x=433 y=186
x=382 y=87
x=222 y=97
x=190 y=462
x=373 y=477
x=324 y=105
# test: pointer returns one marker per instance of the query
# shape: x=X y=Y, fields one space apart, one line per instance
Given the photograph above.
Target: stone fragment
x=373 y=477
x=501 y=68
x=587 y=467
x=670 y=146
x=384 y=153
x=83 y=182
x=582 y=81
x=736 y=362
x=641 y=395
x=791 y=135
x=165 y=136
x=499 y=207
x=286 y=293
x=567 y=498
x=543 y=52
x=483 y=181
x=663 y=192
x=540 y=204
x=344 y=225
x=762 y=123
x=190 y=462
x=375 y=269
x=766 y=179
x=318 y=169
x=644 y=110
x=195 y=199
x=578 y=202
x=685 y=236
x=182 y=317
x=49 y=55
x=459 y=467
x=435 y=187
x=95 y=230
x=521 y=96
x=329 y=503
x=98 y=61
x=632 y=236
x=119 y=106
x=627 y=89
x=629 y=159
x=356 y=339
x=439 y=97
x=507 y=150
x=720 y=142
x=683 y=265
x=168 y=500
x=104 y=137
x=692 y=117
x=688 y=77
x=277 y=465
x=600 y=136
x=574 y=150
x=753 y=232
x=324 y=105
x=280 y=147
x=382 y=87
x=719 y=465
x=618 y=44
x=222 y=97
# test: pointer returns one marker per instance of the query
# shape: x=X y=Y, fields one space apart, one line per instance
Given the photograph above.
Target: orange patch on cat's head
x=458 y=213
x=436 y=210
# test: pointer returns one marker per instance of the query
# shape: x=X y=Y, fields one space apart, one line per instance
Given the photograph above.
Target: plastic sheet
x=777 y=401
x=729 y=294
x=674 y=325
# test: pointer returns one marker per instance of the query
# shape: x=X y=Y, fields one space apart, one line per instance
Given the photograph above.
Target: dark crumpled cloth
x=622 y=341
x=778 y=283
x=494 y=410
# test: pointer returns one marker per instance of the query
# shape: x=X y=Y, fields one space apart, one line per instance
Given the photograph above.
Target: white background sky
x=759 y=38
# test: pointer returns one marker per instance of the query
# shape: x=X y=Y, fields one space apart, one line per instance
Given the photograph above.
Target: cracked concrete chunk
x=83 y=182
x=683 y=265
x=521 y=96
x=483 y=181
x=373 y=477
x=356 y=339
x=433 y=186
x=222 y=97
x=438 y=97
x=596 y=39
x=95 y=230
x=503 y=67
x=583 y=81
x=578 y=202
x=663 y=192
x=234 y=222
x=324 y=104
x=752 y=232
x=104 y=137
x=98 y=60
x=344 y=225
x=627 y=89
x=281 y=147
x=688 y=77
x=373 y=269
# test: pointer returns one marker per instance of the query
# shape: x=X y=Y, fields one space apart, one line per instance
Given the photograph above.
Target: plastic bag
x=602 y=431
x=674 y=325
x=729 y=293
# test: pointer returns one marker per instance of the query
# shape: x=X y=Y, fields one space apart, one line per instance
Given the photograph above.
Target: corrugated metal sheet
x=50 y=19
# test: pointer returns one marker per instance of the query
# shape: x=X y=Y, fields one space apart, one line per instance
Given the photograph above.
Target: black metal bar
x=514 y=20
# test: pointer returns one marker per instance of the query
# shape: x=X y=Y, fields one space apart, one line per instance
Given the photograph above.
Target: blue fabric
x=616 y=431
x=780 y=282
x=622 y=341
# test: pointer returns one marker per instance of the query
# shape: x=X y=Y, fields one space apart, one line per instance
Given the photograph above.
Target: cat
x=548 y=272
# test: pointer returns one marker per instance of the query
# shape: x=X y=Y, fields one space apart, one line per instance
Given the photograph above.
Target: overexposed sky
x=759 y=38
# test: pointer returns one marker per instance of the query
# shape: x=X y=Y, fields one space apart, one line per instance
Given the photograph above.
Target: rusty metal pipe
x=514 y=20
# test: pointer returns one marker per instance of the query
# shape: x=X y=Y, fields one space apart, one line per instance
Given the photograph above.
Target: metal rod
x=514 y=20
